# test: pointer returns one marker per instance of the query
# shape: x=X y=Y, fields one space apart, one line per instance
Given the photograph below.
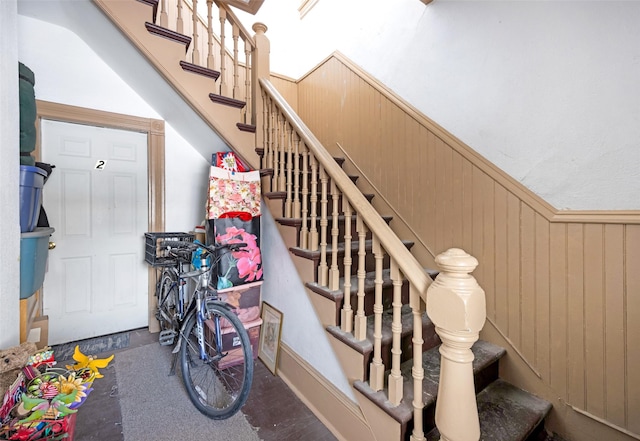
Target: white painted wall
x=547 y=91
x=9 y=177
x=68 y=71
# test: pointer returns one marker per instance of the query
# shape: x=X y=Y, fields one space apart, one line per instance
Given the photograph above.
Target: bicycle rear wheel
x=166 y=311
x=219 y=384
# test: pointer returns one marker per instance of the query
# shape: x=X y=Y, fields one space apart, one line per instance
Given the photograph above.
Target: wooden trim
x=154 y=129
x=340 y=414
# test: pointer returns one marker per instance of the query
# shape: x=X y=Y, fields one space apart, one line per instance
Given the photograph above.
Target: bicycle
x=216 y=365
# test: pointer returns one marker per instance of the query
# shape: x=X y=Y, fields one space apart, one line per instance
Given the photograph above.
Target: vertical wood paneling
x=527 y=282
x=632 y=322
x=542 y=324
x=594 y=317
x=558 y=307
x=565 y=294
x=467 y=205
x=501 y=259
x=429 y=188
x=288 y=89
x=614 y=324
x=443 y=192
x=457 y=163
x=575 y=341
x=478 y=218
x=486 y=257
x=513 y=268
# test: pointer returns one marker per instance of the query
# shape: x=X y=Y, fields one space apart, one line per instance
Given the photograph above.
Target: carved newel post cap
x=455 y=301
x=259 y=28
x=456 y=261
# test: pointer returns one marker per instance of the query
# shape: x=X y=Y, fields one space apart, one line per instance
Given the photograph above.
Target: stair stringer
x=165 y=56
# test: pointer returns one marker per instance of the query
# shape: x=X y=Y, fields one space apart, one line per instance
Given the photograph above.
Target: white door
x=96 y=200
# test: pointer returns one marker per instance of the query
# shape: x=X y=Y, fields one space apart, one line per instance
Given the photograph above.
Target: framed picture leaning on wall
x=269 y=346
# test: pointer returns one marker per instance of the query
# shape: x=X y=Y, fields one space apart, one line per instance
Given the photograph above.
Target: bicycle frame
x=202 y=276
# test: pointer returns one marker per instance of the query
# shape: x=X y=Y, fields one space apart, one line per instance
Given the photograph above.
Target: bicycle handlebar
x=197 y=244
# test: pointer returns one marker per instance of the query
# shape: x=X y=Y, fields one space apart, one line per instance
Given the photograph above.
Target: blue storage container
x=31 y=183
x=34 y=250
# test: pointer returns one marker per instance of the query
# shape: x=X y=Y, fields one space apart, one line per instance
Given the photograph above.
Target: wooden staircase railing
x=228 y=51
x=316 y=190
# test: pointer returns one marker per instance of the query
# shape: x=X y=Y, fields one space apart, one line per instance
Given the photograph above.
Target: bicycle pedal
x=167 y=337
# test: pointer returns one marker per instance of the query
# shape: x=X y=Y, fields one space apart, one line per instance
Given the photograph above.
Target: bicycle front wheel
x=218 y=381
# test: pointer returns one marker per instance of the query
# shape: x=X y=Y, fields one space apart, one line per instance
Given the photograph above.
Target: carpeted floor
x=155 y=407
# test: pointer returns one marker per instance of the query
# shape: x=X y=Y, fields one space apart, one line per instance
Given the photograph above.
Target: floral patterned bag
x=243 y=266
x=233 y=192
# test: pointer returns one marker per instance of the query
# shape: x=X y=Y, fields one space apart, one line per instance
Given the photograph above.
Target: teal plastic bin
x=34 y=251
x=31 y=183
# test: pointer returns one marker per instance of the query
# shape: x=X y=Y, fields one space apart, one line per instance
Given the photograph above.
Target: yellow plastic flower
x=70 y=385
x=89 y=362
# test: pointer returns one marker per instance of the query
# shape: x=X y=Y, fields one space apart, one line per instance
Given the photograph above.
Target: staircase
x=366 y=287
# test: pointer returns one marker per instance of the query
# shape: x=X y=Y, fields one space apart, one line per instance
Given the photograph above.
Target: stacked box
x=231 y=341
x=244 y=299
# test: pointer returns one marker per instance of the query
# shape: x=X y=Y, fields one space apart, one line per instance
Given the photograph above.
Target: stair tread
x=297 y=221
x=506 y=412
x=485 y=353
x=366 y=346
x=302 y=252
x=369 y=284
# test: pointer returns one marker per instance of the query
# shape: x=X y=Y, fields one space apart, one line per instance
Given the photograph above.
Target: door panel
x=96 y=200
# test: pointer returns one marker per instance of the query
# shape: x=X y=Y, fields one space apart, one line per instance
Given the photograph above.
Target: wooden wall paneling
x=443 y=194
x=288 y=88
x=594 y=317
x=558 y=308
x=457 y=188
x=476 y=227
x=563 y=289
x=501 y=260
x=575 y=293
x=467 y=205
x=513 y=268
x=542 y=301
x=487 y=254
x=428 y=186
x=614 y=334
x=632 y=312
x=527 y=283
x=391 y=159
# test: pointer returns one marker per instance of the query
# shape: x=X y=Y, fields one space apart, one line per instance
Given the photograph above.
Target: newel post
x=456 y=305
x=260 y=68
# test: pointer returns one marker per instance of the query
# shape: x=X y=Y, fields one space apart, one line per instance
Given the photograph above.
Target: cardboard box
x=231 y=341
x=39 y=332
x=245 y=299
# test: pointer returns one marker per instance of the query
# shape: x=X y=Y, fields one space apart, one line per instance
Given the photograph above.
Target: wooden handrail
x=409 y=265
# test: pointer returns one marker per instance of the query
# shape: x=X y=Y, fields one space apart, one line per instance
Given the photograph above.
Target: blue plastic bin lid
x=32 y=169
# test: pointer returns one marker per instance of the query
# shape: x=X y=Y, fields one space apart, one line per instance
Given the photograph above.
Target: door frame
x=154 y=128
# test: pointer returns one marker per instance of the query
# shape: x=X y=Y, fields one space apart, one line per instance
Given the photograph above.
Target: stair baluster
x=418 y=371
x=346 y=315
x=296 y=177
x=195 y=55
x=210 y=57
x=376 y=370
x=360 y=331
x=304 y=212
x=164 y=18
x=395 y=392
